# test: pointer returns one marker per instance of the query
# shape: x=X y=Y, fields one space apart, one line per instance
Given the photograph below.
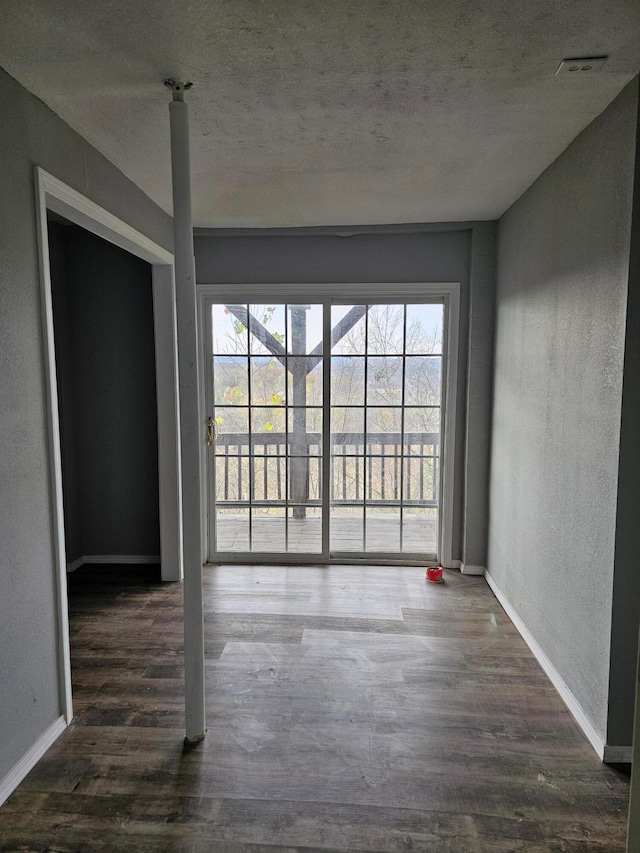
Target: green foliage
x=268 y=314
x=232 y=395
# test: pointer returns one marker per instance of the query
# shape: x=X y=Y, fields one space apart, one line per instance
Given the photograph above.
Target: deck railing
x=381 y=469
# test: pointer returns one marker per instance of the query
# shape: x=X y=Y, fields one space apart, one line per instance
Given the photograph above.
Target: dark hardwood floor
x=349 y=709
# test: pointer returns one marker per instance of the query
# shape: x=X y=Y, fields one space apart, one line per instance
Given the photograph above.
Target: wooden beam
x=274 y=346
x=338 y=332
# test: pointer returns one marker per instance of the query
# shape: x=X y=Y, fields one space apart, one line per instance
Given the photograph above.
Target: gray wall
x=563 y=256
x=479 y=394
x=379 y=254
x=31 y=134
x=626 y=582
x=105 y=361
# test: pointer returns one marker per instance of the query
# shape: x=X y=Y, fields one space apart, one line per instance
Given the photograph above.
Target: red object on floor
x=434 y=574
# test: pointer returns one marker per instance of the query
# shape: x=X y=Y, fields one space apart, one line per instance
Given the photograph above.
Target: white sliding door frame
x=448 y=292
x=52 y=194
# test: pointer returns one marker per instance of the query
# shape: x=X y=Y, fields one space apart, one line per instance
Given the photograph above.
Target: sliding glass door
x=324 y=428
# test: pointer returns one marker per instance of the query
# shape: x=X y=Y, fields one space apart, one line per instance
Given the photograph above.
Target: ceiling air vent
x=578 y=67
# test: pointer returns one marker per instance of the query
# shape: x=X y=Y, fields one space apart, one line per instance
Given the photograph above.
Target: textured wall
x=563 y=254
x=430 y=253
x=626 y=583
x=107 y=397
x=31 y=134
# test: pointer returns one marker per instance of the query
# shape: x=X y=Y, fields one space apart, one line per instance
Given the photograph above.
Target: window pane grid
x=385 y=422
x=267 y=396
x=383 y=449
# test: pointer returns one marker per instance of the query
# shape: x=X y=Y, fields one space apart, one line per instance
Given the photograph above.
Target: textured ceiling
x=326 y=112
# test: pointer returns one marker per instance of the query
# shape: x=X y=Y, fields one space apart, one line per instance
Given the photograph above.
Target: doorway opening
x=53 y=197
x=107 y=402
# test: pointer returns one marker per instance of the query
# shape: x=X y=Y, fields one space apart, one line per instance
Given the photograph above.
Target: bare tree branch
x=258 y=331
x=341 y=328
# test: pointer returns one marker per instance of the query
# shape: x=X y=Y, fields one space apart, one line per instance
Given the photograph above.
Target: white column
x=190 y=427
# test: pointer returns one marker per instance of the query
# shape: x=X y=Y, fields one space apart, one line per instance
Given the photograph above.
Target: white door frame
x=449 y=292
x=52 y=194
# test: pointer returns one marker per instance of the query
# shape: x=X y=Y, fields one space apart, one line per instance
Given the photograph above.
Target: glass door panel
x=267 y=398
x=386 y=365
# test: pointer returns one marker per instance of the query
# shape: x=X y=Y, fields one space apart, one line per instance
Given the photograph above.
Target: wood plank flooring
x=349 y=709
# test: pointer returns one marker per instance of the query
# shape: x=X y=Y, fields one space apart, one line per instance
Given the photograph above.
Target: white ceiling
x=327 y=112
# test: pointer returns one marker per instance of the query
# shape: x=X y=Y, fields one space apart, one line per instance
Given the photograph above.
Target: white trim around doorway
x=449 y=292
x=52 y=194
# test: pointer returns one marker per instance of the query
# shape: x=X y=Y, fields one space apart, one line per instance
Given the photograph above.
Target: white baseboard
x=552 y=673
x=468 y=569
x=617 y=754
x=113 y=559
x=30 y=759
x=453 y=564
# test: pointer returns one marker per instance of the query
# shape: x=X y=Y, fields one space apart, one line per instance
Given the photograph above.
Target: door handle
x=211 y=432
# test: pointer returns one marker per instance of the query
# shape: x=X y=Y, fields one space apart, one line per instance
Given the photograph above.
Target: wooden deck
x=305 y=535
x=349 y=708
